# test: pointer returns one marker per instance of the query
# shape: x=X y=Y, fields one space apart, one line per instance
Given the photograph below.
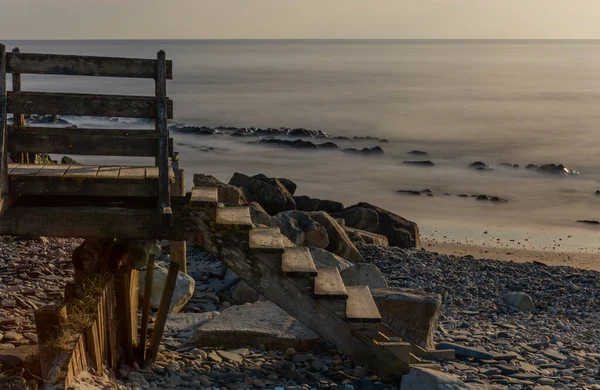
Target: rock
x=271 y=194
x=66 y=160
x=509 y=165
x=597 y=192
x=339 y=243
x=301 y=229
x=184 y=288
x=231 y=357
x=323 y=258
x=15 y=358
x=462 y=350
x=520 y=301
x=427 y=379
x=242 y=293
x=589 y=221
x=480 y=166
x=374 y=151
x=553 y=354
x=258 y=215
x=363 y=274
x=228 y=194
x=296 y=144
x=359 y=236
x=409 y=192
x=255 y=324
x=330 y=206
x=556 y=169
x=532 y=167
x=12 y=336
x=15 y=383
x=425 y=163
x=411 y=313
x=306 y=203
x=289 y=185
x=180 y=322
x=417 y=153
x=400 y=232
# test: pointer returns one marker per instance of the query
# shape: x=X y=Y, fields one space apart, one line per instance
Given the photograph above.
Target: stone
x=184 y=288
x=66 y=160
x=288 y=184
x=412 y=313
x=228 y=194
x=359 y=236
x=520 y=301
x=301 y=229
x=462 y=350
x=427 y=379
x=254 y=324
x=15 y=358
x=419 y=163
x=324 y=259
x=180 y=322
x=232 y=357
x=330 y=206
x=553 y=354
x=339 y=243
x=12 y=336
x=306 y=203
x=271 y=194
x=242 y=293
x=258 y=215
x=399 y=231
x=364 y=274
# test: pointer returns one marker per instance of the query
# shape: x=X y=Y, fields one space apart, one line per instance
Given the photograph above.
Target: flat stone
x=232 y=357
x=461 y=350
x=12 y=336
x=212 y=355
x=553 y=354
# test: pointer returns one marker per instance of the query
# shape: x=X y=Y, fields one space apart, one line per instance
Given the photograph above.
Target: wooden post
x=164 y=197
x=146 y=305
x=3 y=125
x=163 y=310
x=111 y=325
x=19 y=119
x=127 y=310
x=48 y=321
x=178 y=249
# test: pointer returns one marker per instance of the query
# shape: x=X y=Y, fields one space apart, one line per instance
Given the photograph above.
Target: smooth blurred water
x=517 y=102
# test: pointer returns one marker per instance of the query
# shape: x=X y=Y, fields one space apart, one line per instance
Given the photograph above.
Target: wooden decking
x=97 y=180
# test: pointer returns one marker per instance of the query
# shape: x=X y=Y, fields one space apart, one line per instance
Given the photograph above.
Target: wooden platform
x=96 y=180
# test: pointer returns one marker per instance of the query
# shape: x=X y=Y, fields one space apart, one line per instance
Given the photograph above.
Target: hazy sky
x=510 y=19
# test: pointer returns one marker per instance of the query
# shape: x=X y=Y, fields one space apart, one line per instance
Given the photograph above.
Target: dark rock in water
x=399 y=231
x=482 y=197
x=369 y=138
x=306 y=203
x=509 y=165
x=417 y=153
x=298 y=144
x=306 y=133
x=328 y=145
x=66 y=160
x=463 y=195
x=270 y=193
x=532 y=166
x=554 y=169
x=242 y=133
x=497 y=199
x=480 y=166
x=409 y=192
x=597 y=192
x=203 y=130
x=269 y=132
x=47 y=119
x=588 y=221
x=342 y=137
x=374 y=151
x=426 y=163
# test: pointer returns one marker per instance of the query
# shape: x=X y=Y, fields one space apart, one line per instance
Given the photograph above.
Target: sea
x=517 y=102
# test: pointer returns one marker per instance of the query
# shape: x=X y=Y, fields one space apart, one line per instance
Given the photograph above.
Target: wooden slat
x=328 y=283
x=3 y=125
x=72 y=65
x=132 y=174
x=234 y=216
x=86 y=172
x=298 y=261
x=146 y=306
x=108 y=173
x=360 y=305
x=53 y=170
x=26 y=169
x=202 y=196
x=80 y=186
x=85 y=104
x=96 y=142
x=266 y=240
x=162 y=159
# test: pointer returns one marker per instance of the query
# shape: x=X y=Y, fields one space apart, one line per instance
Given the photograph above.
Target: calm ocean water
x=517 y=102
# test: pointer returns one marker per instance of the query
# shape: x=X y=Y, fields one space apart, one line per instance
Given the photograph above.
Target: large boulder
x=399 y=231
x=306 y=203
x=184 y=288
x=359 y=236
x=419 y=378
x=412 y=313
x=301 y=229
x=270 y=193
x=519 y=301
x=228 y=194
x=258 y=215
x=260 y=323
x=339 y=243
x=364 y=274
x=325 y=259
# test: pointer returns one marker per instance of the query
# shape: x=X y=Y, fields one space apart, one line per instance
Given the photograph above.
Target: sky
x=299 y=19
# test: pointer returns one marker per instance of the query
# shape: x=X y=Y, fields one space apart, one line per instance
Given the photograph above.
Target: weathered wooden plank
x=203 y=196
x=127 y=308
x=162 y=158
x=298 y=261
x=234 y=217
x=266 y=240
x=132 y=175
x=72 y=65
x=80 y=186
x=86 y=104
x=111 y=324
x=52 y=170
x=26 y=169
x=329 y=284
x=163 y=311
x=18 y=118
x=3 y=125
x=94 y=142
x=360 y=305
x=108 y=174
x=83 y=172
x=146 y=306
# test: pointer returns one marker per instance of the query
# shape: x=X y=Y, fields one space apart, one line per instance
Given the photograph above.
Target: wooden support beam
x=81 y=104
x=72 y=65
x=146 y=306
x=3 y=125
x=127 y=311
x=48 y=321
x=163 y=310
x=164 y=196
x=19 y=122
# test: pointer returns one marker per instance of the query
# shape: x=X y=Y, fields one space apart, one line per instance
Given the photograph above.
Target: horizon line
x=309 y=39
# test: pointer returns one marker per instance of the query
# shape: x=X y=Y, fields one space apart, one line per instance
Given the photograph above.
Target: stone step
x=298 y=262
x=236 y=218
x=265 y=240
x=329 y=284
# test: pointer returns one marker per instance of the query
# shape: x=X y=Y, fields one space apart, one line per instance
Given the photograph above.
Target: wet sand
x=590 y=261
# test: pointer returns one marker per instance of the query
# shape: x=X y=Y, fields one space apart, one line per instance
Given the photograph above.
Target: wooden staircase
x=345 y=316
